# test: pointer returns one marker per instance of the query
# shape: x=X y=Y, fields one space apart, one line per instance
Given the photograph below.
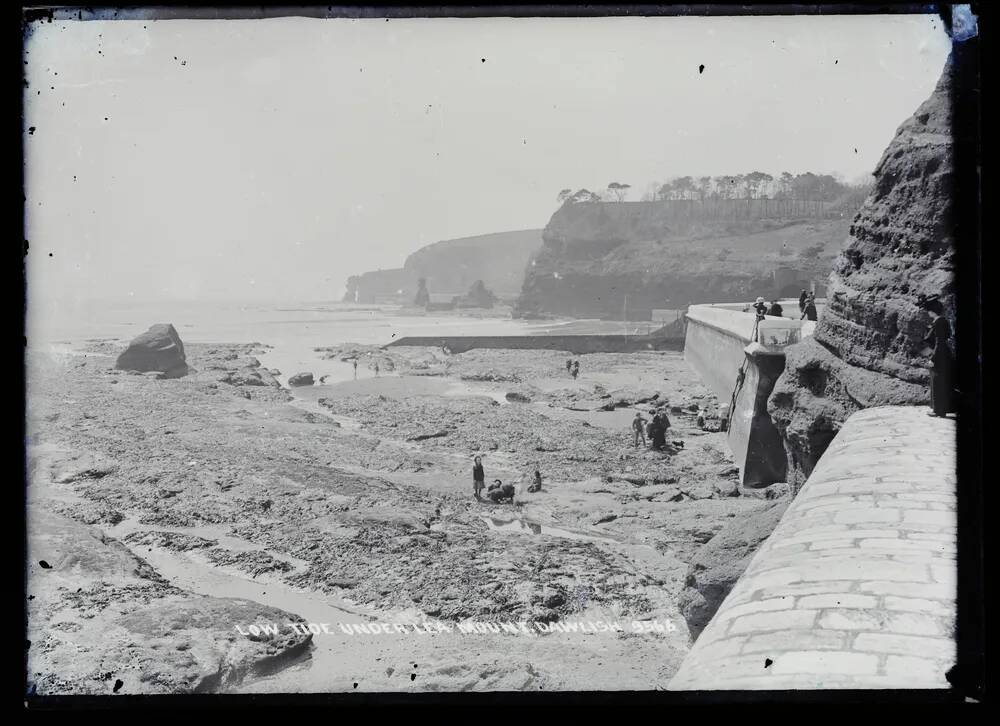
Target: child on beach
x=478 y=476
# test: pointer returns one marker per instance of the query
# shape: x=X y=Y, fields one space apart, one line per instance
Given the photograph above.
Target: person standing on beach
x=355 y=369
x=638 y=429
x=478 y=476
x=376 y=369
x=576 y=369
x=569 y=366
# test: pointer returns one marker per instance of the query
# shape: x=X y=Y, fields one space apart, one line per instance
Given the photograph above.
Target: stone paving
x=856 y=586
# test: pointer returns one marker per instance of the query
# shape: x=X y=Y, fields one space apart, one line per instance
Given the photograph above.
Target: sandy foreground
x=167 y=517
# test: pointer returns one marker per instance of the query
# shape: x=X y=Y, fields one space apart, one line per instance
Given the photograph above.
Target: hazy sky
x=270 y=159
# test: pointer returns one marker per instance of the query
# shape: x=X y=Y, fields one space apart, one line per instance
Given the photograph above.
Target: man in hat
x=775 y=311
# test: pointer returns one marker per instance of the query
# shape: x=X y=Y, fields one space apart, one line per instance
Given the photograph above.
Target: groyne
x=578 y=344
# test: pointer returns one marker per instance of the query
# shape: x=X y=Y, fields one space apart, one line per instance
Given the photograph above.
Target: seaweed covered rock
x=720 y=563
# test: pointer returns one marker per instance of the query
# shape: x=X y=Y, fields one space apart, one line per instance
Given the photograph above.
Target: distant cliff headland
x=452 y=267
x=720 y=239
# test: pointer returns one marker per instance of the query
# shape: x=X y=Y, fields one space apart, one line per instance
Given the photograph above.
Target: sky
x=271 y=159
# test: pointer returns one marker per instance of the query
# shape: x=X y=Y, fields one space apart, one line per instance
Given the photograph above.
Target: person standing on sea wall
x=942 y=359
x=775 y=311
x=809 y=311
x=802 y=301
x=478 y=476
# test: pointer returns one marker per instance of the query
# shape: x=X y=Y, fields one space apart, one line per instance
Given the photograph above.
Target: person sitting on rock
x=536 y=482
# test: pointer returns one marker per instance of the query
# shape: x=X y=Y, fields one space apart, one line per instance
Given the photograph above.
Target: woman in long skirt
x=942 y=360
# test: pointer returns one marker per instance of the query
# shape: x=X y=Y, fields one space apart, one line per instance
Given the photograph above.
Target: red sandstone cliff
x=867 y=349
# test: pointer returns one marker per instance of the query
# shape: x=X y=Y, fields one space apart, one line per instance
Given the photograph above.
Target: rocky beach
x=168 y=515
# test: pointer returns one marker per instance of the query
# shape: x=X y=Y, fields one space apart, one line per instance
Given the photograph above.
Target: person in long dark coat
x=802 y=301
x=478 y=476
x=942 y=360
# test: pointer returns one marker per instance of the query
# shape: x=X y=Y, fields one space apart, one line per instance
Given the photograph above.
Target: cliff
x=669 y=254
x=867 y=349
x=454 y=265
x=451 y=267
x=377 y=286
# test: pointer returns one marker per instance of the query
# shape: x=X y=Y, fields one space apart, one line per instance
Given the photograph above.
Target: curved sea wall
x=856 y=586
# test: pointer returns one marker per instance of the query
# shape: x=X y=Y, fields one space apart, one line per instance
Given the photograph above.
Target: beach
x=351 y=502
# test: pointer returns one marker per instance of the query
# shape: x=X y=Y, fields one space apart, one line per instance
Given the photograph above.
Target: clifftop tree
x=563 y=196
x=618 y=191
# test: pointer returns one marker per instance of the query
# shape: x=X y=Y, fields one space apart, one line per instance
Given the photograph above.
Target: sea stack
x=159 y=349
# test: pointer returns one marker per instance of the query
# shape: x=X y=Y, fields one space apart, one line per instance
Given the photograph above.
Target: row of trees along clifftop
x=805 y=194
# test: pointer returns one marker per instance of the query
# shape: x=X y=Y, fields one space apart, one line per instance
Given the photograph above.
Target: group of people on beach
x=573 y=367
x=657 y=430
x=498 y=492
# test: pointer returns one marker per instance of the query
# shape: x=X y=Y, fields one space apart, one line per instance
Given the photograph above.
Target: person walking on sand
x=942 y=359
x=355 y=369
x=638 y=429
x=478 y=476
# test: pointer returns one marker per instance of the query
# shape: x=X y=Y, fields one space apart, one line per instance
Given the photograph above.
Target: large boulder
x=301 y=379
x=721 y=561
x=158 y=349
x=868 y=347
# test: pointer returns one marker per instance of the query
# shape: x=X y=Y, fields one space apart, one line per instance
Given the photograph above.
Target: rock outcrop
x=868 y=346
x=158 y=349
x=102 y=620
x=721 y=561
x=301 y=379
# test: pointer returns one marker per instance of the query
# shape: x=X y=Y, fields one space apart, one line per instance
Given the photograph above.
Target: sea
x=293 y=329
